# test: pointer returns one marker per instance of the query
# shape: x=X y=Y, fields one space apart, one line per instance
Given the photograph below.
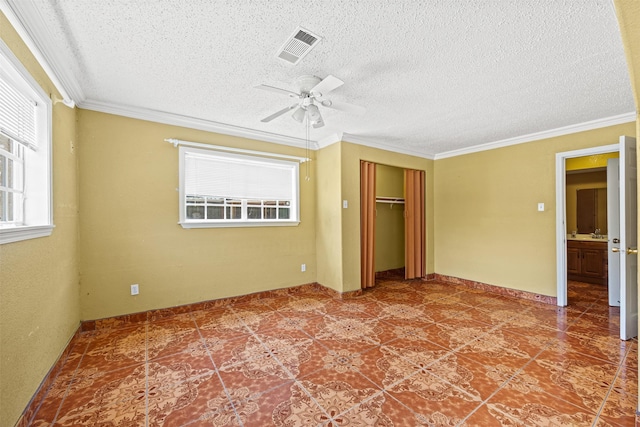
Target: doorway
x=561 y=213
x=624 y=245
x=588 y=211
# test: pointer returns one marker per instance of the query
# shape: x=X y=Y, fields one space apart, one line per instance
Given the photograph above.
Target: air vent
x=298 y=45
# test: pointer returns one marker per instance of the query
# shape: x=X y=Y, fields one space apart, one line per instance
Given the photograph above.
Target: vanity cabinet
x=587 y=261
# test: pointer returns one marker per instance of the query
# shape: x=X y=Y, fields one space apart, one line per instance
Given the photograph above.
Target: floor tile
x=531 y=407
x=454 y=333
x=305 y=405
x=346 y=330
x=117 y=397
x=116 y=349
x=572 y=378
x=359 y=307
x=221 y=320
x=390 y=330
x=221 y=346
x=262 y=408
x=203 y=399
x=197 y=359
x=167 y=338
x=368 y=411
x=433 y=399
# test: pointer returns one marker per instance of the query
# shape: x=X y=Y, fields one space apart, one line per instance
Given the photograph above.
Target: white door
x=628 y=239
x=613 y=230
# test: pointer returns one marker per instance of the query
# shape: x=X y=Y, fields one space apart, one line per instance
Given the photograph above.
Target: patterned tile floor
x=406 y=353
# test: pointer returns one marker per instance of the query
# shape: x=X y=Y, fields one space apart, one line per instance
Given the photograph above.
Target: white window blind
x=239 y=177
x=227 y=189
x=17 y=115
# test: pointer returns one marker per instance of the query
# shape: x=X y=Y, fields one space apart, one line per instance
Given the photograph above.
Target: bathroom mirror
x=591 y=210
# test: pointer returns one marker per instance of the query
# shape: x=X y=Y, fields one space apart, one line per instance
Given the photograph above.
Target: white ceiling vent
x=298 y=45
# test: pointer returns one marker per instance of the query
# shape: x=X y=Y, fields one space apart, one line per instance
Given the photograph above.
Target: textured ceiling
x=436 y=76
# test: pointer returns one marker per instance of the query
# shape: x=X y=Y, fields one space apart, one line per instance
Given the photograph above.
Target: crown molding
x=195 y=123
x=36 y=37
x=354 y=139
x=329 y=140
x=565 y=130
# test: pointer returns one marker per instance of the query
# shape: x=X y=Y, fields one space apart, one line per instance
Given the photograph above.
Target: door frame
x=561 y=214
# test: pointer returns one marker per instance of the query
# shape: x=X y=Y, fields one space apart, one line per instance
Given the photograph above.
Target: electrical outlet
x=135 y=290
x=303 y=267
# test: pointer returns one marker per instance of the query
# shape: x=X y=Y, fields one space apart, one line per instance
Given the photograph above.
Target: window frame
x=294 y=207
x=37 y=218
x=14 y=180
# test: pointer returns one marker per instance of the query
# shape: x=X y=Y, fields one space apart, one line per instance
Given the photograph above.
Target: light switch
x=345 y=204
x=540 y=207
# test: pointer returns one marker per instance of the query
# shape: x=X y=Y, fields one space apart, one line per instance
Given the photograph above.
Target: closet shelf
x=392 y=200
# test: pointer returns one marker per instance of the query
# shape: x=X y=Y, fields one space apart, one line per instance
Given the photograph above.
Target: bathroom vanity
x=587 y=260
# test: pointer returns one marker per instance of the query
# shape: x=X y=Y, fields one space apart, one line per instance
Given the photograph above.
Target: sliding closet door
x=414 y=224
x=367 y=223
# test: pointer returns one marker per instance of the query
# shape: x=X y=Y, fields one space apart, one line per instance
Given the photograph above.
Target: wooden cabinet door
x=592 y=264
x=573 y=260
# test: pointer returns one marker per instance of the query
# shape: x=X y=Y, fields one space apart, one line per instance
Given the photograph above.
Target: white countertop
x=587 y=237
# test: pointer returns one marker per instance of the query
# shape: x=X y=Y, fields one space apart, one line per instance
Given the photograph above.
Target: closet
x=389 y=226
x=392 y=221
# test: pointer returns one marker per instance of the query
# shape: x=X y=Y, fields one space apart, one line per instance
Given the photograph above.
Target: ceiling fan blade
x=279 y=113
x=327 y=84
x=278 y=90
x=343 y=106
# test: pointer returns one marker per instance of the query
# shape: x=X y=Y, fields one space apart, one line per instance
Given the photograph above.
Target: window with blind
x=25 y=153
x=226 y=189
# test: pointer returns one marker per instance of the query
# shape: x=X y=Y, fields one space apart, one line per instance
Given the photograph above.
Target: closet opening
x=392 y=223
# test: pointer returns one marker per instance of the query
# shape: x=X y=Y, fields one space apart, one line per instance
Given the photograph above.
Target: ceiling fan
x=311 y=93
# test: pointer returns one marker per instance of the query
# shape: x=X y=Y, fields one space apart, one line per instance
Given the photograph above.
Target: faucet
x=596 y=234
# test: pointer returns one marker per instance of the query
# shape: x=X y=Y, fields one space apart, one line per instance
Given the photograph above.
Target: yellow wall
x=389 y=238
x=329 y=217
x=589 y=162
x=129 y=230
x=39 y=306
x=487 y=225
x=389 y=181
x=350 y=189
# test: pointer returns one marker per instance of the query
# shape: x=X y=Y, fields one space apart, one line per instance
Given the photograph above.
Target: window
x=234 y=190
x=25 y=153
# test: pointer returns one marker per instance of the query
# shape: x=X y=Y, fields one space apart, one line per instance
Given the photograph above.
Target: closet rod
x=391 y=200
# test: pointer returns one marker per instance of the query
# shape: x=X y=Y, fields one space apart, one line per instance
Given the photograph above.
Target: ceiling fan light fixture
x=299 y=114
x=314 y=113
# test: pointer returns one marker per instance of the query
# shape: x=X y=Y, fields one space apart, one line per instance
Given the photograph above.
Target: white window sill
x=238 y=224
x=18 y=233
